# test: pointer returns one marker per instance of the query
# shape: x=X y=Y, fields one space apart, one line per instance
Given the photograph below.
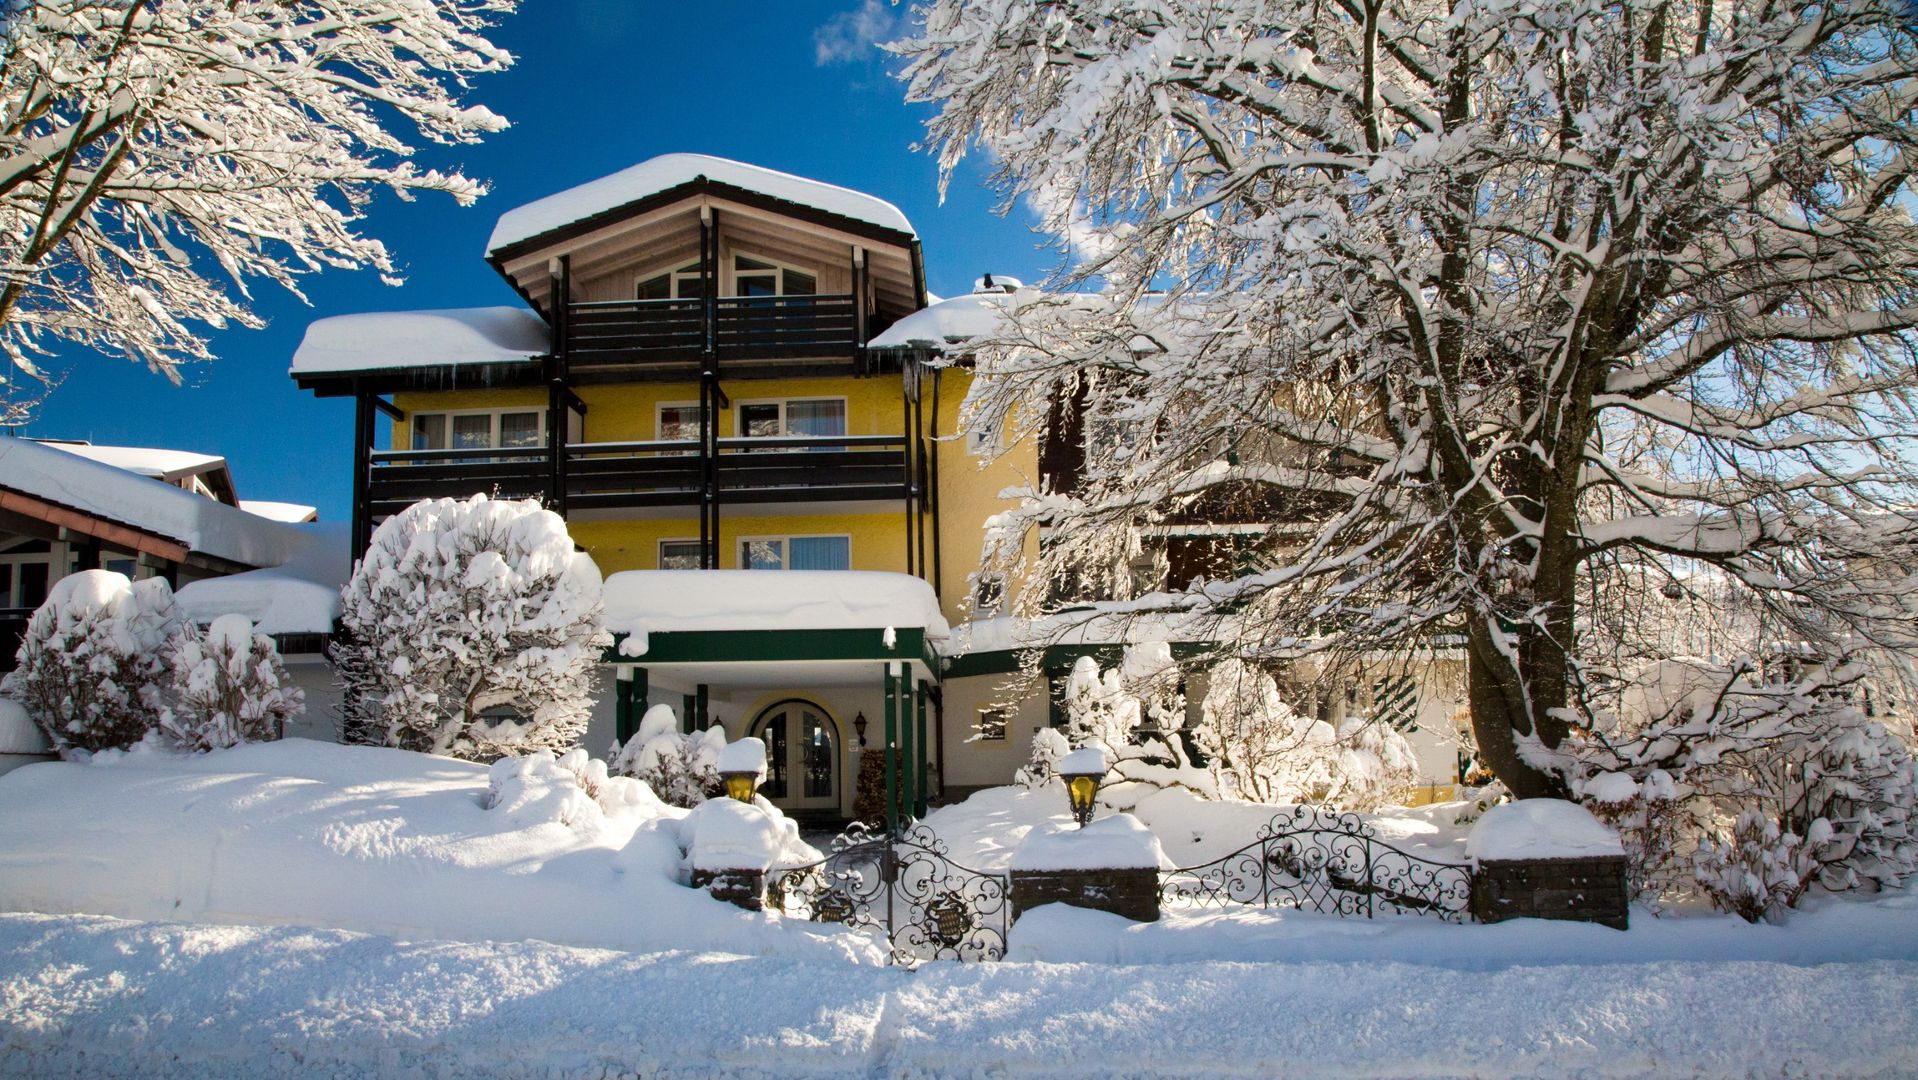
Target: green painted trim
x=747 y=646
x=1058 y=658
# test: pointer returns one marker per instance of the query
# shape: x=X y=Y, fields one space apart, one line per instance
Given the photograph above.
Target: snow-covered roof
x=153 y=506
x=292 y=513
x=394 y=339
x=147 y=461
x=300 y=596
x=669 y=171
x=640 y=602
x=962 y=317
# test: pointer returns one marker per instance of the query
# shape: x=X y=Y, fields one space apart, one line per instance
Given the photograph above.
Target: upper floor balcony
x=670 y=334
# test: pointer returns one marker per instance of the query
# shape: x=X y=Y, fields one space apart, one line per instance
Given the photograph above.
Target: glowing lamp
x=1082 y=770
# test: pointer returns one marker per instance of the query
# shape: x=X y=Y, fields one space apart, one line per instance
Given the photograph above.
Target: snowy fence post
x=1110 y=865
x=1547 y=859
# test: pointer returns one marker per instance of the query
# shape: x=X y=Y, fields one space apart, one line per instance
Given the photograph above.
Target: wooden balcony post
x=859 y=313
x=709 y=391
x=362 y=473
x=558 y=390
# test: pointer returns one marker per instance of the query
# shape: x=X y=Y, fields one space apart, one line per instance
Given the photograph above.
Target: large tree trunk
x=1501 y=717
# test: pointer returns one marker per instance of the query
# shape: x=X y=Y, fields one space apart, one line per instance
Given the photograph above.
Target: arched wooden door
x=802 y=756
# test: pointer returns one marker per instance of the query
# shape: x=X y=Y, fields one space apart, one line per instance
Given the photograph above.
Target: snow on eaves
x=147 y=461
x=640 y=602
x=397 y=339
x=152 y=506
x=971 y=316
x=669 y=171
x=291 y=513
x=300 y=596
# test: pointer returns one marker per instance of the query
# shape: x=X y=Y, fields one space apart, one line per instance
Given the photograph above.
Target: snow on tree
x=1258 y=748
x=154 y=157
x=1752 y=786
x=682 y=769
x=89 y=670
x=471 y=628
x=1048 y=746
x=1143 y=751
x=1483 y=302
x=226 y=686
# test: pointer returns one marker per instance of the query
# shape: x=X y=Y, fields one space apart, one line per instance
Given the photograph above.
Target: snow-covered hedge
x=682 y=769
x=471 y=629
x=107 y=661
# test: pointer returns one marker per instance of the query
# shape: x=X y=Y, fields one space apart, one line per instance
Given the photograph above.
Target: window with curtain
x=796 y=553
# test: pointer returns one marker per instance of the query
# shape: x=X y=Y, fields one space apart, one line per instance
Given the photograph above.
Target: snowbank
x=368 y=839
x=642 y=602
x=726 y=834
x=101 y=998
x=18 y=733
x=1541 y=829
x=391 y=339
x=301 y=596
x=669 y=171
x=1113 y=843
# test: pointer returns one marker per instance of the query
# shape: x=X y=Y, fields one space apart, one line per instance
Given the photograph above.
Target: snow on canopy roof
x=663 y=601
x=300 y=596
x=962 y=317
x=669 y=171
x=147 y=461
x=154 y=506
x=292 y=513
x=395 y=339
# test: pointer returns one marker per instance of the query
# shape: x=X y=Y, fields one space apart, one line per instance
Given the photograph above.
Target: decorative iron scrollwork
x=906 y=890
x=1318 y=860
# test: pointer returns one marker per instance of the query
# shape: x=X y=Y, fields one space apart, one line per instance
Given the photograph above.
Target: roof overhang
x=505 y=375
x=779 y=658
x=119 y=535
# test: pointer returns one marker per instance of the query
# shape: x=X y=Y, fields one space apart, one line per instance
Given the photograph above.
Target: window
x=681 y=284
x=988 y=593
x=478 y=430
x=796 y=553
x=757 y=277
x=679 y=554
x=26 y=572
x=992 y=725
x=679 y=423
x=792 y=417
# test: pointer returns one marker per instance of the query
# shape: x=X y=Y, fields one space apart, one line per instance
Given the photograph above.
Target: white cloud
x=853 y=35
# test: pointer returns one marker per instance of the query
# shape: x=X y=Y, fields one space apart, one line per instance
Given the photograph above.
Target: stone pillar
x=1110 y=865
x=741 y=887
x=1547 y=859
x=731 y=844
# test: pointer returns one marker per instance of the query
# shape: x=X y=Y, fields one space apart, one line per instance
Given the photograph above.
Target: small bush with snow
x=568 y=789
x=1133 y=712
x=682 y=769
x=90 y=669
x=1750 y=790
x=1048 y=747
x=226 y=686
x=471 y=630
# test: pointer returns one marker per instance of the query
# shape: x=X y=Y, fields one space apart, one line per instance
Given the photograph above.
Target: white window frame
x=659 y=422
x=493 y=430
x=676 y=274
x=58 y=559
x=659 y=550
x=785 y=552
x=739 y=414
x=779 y=268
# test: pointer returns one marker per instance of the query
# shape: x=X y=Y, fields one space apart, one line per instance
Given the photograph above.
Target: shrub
x=682 y=769
x=89 y=669
x=226 y=686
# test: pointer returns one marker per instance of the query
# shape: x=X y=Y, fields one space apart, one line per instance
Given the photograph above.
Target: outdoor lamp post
x=741 y=766
x=1082 y=770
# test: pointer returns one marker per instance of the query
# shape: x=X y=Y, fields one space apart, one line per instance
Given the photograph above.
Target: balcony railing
x=628 y=332
x=630 y=475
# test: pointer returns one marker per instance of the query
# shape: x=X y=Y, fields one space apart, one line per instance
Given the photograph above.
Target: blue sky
x=599 y=85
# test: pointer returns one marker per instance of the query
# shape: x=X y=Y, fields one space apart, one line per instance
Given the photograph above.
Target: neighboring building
x=67 y=506
x=725 y=368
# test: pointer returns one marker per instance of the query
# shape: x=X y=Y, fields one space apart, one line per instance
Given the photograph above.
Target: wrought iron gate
x=905 y=888
x=1315 y=860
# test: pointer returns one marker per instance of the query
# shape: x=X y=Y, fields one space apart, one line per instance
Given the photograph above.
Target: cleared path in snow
x=86 y=996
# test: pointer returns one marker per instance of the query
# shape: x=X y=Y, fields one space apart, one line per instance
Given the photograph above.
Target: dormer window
x=757 y=277
x=682 y=284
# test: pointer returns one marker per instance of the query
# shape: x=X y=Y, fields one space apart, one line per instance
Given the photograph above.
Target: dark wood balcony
x=657 y=473
x=640 y=334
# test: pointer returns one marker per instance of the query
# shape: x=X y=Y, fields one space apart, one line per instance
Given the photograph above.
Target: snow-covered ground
x=93 y=997
x=317 y=909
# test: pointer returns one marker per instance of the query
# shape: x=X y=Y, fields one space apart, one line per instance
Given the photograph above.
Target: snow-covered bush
x=1258 y=748
x=1749 y=789
x=1104 y=710
x=1048 y=746
x=226 y=686
x=682 y=769
x=570 y=789
x=471 y=628
x=90 y=665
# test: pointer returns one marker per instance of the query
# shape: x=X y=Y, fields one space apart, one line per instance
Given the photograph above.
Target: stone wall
x=1589 y=889
x=744 y=888
x=1131 y=892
